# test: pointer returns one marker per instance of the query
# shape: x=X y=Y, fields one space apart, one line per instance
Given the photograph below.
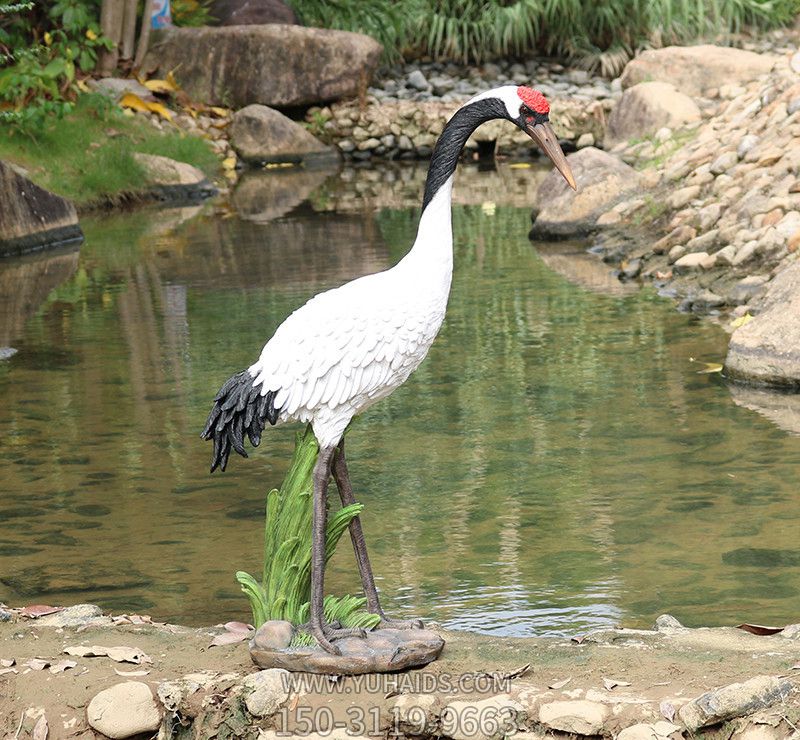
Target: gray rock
x=726 y=255
x=683 y=196
x=117 y=87
x=603 y=180
x=260 y=134
x=72 y=616
x=675 y=253
x=289 y=61
x=124 y=710
x=275 y=634
x=417 y=80
x=585 y=140
x=32 y=217
x=724 y=162
x=748 y=142
x=580 y=716
x=746 y=252
x=793 y=106
x=266 y=691
x=666 y=623
x=707 y=300
x=645 y=108
x=703 y=242
x=691 y=261
x=695 y=69
x=381 y=651
x=765 y=349
x=734 y=700
x=172 y=180
x=708 y=216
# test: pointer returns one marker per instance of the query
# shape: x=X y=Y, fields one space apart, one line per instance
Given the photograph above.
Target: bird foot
x=387 y=623
x=326 y=633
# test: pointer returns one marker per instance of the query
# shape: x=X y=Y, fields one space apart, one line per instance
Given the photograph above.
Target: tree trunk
x=144 y=34
x=111 y=15
x=128 y=30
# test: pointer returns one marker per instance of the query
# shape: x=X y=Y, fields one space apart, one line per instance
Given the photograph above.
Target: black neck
x=458 y=129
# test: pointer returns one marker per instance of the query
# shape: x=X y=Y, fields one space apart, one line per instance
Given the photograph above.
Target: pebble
x=725 y=255
x=724 y=162
x=692 y=261
x=745 y=253
x=746 y=288
x=683 y=196
x=586 y=139
x=416 y=79
x=124 y=710
x=677 y=252
x=747 y=143
x=275 y=634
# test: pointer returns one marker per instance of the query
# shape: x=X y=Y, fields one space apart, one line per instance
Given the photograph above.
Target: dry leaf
x=162 y=110
x=742 y=320
x=131 y=673
x=131 y=101
x=120 y=654
x=7 y=662
x=229 y=638
x=560 y=684
x=39 y=610
x=520 y=166
x=40 y=729
x=759 y=629
x=160 y=86
x=667 y=710
x=221 y=112
x=62 y=666
x=610 y=683
x=229 y=163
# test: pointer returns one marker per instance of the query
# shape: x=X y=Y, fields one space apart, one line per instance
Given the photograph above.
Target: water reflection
x=555 y=465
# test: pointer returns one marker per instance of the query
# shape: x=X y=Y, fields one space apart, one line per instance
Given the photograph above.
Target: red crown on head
x=533 y=99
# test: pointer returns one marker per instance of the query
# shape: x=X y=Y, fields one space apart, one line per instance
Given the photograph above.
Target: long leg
x=342 y=478
x=323 y=633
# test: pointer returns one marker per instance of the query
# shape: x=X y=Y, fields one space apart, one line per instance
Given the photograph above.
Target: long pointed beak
x=545 y=137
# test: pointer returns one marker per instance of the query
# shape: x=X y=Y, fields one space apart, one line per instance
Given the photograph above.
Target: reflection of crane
x=347 y=348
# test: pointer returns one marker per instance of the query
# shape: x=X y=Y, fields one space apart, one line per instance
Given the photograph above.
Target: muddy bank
x=668 y=682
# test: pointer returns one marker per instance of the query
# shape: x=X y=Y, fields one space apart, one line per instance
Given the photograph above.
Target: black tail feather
x=239 y=409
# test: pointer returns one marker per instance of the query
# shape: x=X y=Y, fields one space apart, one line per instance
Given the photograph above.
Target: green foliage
x=286 y=579
x=87 y=156
x=42 y=53
x=191 y=12
x=604 y=34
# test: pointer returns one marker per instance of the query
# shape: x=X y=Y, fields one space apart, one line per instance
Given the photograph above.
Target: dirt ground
x=650 y=668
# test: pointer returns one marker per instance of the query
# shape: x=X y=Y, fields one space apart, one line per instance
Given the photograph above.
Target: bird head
x=529 y=110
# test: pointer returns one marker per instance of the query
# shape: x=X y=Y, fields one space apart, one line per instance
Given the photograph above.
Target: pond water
x=556 y=464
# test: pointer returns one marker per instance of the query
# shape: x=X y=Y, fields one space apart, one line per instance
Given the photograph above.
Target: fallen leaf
x=229 y=163
x=132 y=101
x=120 y=654
x=62 y=666
x=40 y=729
x=160 y=86
x=663 y=275
x=237 y=627
x=667 y=710
x=709 y=367
x=759 y=629
x=560 y=684
x=221 y=112
x=520 y=166
x=7 y=662
x=39 y=610
x=161 y=109
x=229 y=638
x=611 y=683
x=131 y=673
x=37 y=664
x=742 y=320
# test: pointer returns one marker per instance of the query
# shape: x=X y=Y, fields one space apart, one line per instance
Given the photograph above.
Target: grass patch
x=87 y=156
x=664 y=150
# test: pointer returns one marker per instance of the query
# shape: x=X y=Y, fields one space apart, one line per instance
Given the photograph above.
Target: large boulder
x=32 y=217
x=767 y=349
x=602 y=180
x=260 y=134
x=695 y=69
x=645 y=108
x=250 y=12
x=276 y=65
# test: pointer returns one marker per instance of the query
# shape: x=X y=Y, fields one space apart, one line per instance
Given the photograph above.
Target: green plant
x=285 y=585
x=191 y=12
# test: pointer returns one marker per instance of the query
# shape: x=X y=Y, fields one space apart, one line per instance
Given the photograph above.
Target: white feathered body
x=349 y=347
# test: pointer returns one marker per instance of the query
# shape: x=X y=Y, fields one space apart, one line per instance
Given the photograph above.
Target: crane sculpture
x=349 y=347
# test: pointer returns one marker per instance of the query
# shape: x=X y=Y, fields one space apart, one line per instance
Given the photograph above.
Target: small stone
x=495 y=716
x=691 y=261
x=72 y=616
x=268 y=691
x=663 y=134
x=791 y=632
x=346 y=145
x=414 y=713
x=368 y=145
x=580 y=716
x=666 y=622
x=274 y=635
x=609 y=218
x=417 y=80
x=746 y=252
x=658 y=731
x=724 y=162
x=748 y=142
x=708 y=216
x=706 y=300
x=586 y=139
x=679 y=235
x=725 y=255
x=683 y=196
x=793 y=106
x=676 y=253
x=771 y=218
x=734 y=700
x=746 y=288
x=704 y=242
x=124 y=710
x=789 y=224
